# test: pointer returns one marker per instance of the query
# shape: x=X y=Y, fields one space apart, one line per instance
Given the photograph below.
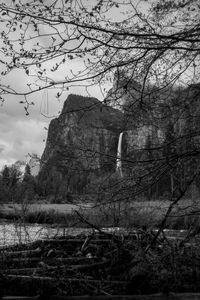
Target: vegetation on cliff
x=149 y=52
x=143 y=56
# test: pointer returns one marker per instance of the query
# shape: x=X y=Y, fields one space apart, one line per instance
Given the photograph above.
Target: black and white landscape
x=100 y=149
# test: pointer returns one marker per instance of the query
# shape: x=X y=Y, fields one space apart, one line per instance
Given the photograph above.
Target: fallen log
x=172 y=296
x=90 y=266
x=96 y=281
x=25 y=271
x=51 y=261
x=77 y=241
x=20 y=298
x=30 y=278
x=74 y=259
x=22 y=253
x=51 y=279
x=29 y=271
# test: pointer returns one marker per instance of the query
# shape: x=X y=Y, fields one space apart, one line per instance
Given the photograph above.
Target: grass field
x=135 y=214
x=145 y=206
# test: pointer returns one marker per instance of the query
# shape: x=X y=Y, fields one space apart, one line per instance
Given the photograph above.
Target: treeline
x=17 y=187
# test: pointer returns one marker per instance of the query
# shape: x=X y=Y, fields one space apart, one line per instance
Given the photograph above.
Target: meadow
x=147 y=214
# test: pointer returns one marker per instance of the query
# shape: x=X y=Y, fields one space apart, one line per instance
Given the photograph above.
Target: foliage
x=148 y=51
x=28 y=185
x=154 y=41
x=14 y=186
x=9 y=182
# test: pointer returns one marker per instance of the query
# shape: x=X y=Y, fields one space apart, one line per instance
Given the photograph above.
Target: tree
x=10 y=183
x=27 y=171
x=6 y=175
x=154 y=44
x=28 y=185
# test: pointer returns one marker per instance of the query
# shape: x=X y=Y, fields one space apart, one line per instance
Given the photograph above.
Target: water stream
x=119 y=156
x=16 y=233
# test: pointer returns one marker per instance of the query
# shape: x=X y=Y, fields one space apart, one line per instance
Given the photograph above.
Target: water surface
x=16 y=233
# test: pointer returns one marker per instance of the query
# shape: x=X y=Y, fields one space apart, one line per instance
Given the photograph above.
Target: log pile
x=100 y=265
x=94 y=264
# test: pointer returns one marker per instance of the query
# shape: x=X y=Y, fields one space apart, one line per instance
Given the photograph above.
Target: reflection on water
x=24 y=233
x=15 y=233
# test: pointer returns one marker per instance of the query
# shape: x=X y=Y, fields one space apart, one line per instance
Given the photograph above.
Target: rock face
x=162 y=134
x=34 y=164
x=81 y=141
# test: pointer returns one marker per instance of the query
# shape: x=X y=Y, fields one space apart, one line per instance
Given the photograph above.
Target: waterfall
x=119 y=155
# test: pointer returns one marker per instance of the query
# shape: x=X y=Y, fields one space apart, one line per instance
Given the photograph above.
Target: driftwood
x=51 y=261
x=77 y=241
x=86 y=242
x=20 y=298
x=92 y=264
x=32 y=271
x=51 y=279
x=171 y=296
x=93 y=281
x=31 y=278
x=74 y=265
x=22 y=253
x=189 y=296
x=74 y=260
x=28 y=271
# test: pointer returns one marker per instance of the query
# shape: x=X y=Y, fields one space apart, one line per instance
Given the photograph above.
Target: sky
x=21 y=135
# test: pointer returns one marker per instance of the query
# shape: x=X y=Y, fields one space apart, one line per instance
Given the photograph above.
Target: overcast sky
x=21 y=135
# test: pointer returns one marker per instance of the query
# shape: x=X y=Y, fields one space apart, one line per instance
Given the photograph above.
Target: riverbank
x=100 y=263
x=74 y=262
x=147 y=214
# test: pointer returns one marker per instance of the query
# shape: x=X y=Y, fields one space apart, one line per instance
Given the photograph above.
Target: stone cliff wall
x=81 y=141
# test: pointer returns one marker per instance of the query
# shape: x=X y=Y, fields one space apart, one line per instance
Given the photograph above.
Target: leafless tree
x=149 y=52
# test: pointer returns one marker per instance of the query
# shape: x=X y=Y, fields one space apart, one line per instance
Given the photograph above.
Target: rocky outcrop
x=81 y=141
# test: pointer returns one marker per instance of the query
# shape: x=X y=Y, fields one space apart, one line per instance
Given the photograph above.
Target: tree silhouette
x=147 y=51
x=10 y=177
x=154 y=42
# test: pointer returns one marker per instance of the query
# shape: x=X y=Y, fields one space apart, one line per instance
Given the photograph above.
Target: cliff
x=82 y=141
x=160 y=139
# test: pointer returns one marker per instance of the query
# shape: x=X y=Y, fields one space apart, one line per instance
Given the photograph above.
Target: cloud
x=20 y=136
x=1 y=148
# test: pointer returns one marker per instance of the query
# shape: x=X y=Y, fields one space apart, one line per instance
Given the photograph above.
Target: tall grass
x=110 y=215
